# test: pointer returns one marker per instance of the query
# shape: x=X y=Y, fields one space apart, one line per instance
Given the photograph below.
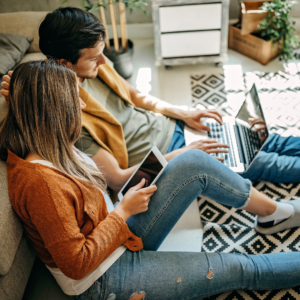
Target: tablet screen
x=149 y=169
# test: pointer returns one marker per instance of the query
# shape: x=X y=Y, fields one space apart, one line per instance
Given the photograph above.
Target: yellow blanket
x=102 y=125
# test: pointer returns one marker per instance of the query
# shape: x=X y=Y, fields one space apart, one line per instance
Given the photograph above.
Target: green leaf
x=279 y=27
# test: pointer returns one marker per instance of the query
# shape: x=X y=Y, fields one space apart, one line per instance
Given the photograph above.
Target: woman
x=98 y=251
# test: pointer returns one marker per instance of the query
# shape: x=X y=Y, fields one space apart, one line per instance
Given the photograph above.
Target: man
x=117 y=120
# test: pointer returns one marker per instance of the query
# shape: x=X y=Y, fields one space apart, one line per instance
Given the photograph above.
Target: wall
x=49 y=5
x=132 y=18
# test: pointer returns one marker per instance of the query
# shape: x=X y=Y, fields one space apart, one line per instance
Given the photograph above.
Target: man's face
x=90 y=59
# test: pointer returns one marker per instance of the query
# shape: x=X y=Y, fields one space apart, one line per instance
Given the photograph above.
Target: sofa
x=22 y=274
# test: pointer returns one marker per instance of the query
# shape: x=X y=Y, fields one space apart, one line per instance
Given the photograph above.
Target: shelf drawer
x=190 y=17
x=190 y=43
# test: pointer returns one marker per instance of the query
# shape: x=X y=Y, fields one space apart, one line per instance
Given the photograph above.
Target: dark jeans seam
x=179 y=189
x=103 y=285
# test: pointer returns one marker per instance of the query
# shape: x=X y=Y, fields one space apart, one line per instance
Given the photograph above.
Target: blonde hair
x=44 y=118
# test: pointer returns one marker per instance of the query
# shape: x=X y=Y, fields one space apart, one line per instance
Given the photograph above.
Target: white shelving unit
x=190 y=31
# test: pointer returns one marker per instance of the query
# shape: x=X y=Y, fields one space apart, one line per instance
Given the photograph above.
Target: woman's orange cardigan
x=65 y=218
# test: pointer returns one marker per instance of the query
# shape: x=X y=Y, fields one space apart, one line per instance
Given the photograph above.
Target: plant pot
x=122 y=61
x=251 y=15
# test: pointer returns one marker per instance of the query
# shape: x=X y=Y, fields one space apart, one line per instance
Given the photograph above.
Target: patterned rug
x=226 y=229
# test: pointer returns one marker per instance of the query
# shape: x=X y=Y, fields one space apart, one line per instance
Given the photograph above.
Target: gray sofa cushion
x=12 y=50
x=10 y=226
x=16 y=253
x=11 y=229
x=12 y=285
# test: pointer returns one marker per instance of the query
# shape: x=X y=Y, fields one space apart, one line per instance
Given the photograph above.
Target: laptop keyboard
x=222 y=135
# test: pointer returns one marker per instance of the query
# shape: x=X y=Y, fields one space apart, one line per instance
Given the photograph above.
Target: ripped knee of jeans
x=210 y=274
x=138 y=296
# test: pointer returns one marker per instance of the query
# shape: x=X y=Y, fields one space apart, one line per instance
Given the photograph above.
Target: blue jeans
x=178 y=140
x=278 y=161
x=183 y=275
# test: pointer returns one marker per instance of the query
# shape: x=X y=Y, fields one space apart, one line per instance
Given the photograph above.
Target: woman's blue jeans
x=184 y=275
x=278 y=161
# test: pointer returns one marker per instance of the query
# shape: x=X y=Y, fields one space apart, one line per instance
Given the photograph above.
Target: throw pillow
x=12 y=50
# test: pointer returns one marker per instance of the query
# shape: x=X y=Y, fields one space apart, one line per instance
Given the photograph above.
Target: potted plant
x=278 y=27
x=118 y=50
x=266 y=30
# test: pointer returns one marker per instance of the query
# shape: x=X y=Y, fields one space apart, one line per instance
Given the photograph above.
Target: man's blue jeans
x=178 y=140
x=278 y=161
x=185 y=275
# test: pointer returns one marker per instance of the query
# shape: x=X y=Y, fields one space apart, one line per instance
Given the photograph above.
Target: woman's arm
x=54 y=206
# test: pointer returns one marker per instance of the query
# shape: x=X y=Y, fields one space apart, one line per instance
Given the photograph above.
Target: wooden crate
x=251 y=16
x=251 y=46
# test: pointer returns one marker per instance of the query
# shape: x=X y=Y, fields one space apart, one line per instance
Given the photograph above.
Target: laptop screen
x=251 y=124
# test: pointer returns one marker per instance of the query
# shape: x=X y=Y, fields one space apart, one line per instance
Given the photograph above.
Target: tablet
x=150 y=168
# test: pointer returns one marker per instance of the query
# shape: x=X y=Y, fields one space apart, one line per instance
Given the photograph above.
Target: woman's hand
x=135 y=201
x=5 y=86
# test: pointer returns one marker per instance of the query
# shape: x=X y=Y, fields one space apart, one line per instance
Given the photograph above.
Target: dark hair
x=67 y=30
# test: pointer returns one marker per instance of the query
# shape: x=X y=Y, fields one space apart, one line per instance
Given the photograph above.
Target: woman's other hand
x=135 y=201
x=5 y=86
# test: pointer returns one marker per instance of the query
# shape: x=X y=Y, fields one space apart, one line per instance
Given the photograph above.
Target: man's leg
x=289 y=146
x=278 y=161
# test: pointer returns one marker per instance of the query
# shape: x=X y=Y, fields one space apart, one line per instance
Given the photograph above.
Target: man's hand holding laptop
x=194 y=122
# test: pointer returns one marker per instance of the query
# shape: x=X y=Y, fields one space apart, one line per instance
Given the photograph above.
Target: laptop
x=245 y=134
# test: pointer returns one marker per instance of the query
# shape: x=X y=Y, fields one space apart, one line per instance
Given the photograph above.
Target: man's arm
x=191 y=118
x=148 y=102
x=116 y=177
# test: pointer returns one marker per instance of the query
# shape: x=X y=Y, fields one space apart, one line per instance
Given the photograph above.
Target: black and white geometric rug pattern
x=226 y=229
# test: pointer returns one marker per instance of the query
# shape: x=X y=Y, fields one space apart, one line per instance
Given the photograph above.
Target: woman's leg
x=188 y=175
x=178 y=276
x=278 y=161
